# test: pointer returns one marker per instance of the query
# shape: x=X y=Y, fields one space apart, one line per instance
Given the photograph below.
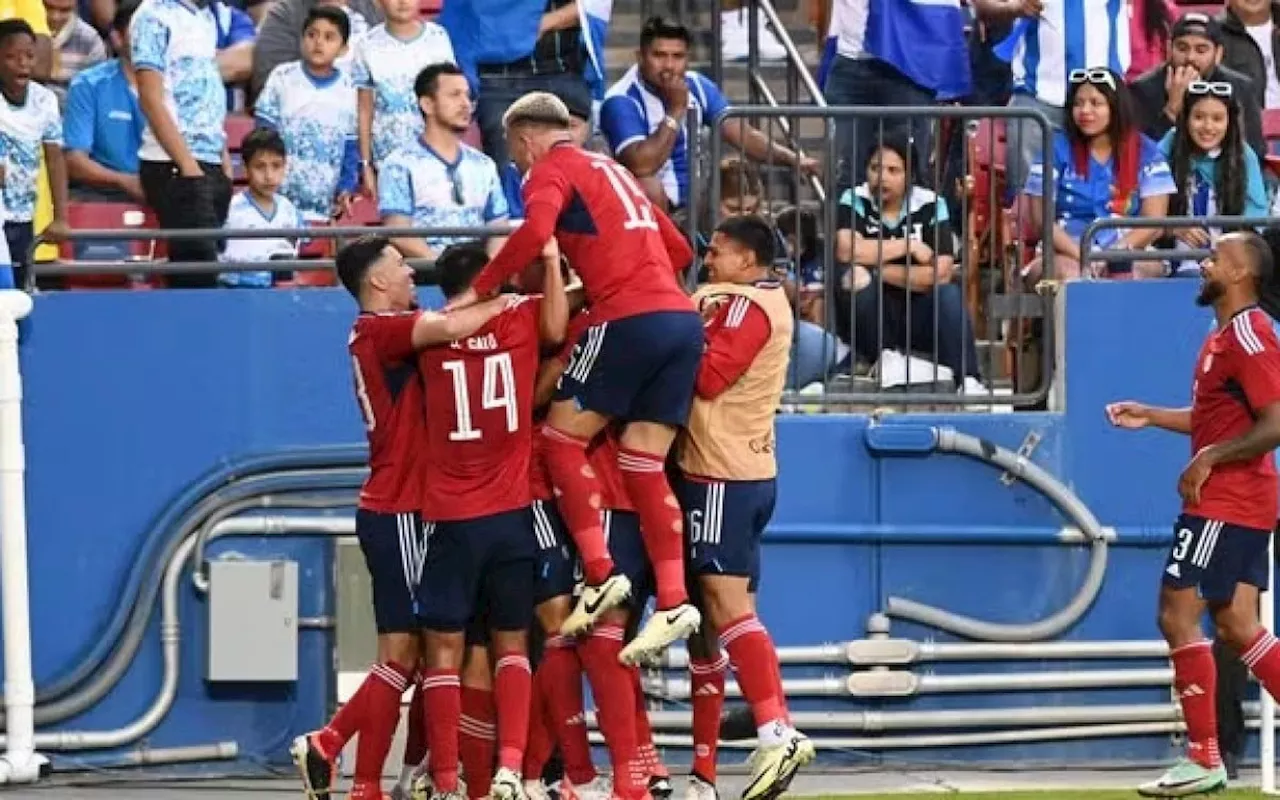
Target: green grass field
x=1110 y=794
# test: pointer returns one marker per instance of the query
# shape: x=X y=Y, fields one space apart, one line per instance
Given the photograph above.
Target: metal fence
x=1090 y=252
x=973 y=329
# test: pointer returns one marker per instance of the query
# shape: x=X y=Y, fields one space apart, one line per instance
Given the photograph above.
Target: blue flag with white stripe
x=924 y=40
x=593 y=16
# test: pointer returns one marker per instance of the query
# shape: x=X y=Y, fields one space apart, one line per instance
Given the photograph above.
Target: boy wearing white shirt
x=260 y=207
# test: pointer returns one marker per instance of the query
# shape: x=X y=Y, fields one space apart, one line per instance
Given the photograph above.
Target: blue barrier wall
x=132 y=396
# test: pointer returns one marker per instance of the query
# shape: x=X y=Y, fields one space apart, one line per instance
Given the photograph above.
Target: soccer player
x=383 y=346
x=636 y=364
x=1229 y=502
x=727 y=484
x=475 y=501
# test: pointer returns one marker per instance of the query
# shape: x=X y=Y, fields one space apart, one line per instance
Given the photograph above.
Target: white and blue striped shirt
x=1068 y=35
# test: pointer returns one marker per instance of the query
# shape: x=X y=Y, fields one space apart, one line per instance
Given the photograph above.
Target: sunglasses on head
x=1098 y=76
x=1216 y=88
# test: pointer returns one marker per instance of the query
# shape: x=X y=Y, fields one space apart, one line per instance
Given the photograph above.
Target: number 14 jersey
x=479 y=401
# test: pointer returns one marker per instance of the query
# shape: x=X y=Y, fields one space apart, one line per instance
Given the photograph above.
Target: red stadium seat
x=105 y=216
x=428 y=9
x=472 y=137
x=1271 y=133
x=363 y=212
x=237 y=127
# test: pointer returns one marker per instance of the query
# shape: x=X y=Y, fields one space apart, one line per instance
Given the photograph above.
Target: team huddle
x=520 y=481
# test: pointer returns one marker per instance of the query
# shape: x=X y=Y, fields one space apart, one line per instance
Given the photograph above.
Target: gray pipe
x=669 y=689
x=949 y=440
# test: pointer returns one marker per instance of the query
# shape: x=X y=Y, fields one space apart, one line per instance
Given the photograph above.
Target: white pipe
x=20 y=762
x=681 y=689
x=1267 y=739
x=1037 y=681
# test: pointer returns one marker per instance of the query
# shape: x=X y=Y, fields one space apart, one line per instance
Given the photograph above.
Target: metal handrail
x=793 y=54
x=1088 y=252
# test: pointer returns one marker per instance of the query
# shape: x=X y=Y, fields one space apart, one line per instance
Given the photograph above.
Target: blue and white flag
x=593 y=16
x=924 y=40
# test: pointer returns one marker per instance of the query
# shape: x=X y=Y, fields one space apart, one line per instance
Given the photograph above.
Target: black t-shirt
x=925 y=218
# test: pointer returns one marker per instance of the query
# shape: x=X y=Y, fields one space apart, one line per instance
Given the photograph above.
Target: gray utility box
x=253 y=620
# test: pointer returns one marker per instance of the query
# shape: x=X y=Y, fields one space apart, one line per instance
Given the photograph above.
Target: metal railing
x=1089 y=252
x=1009 y=326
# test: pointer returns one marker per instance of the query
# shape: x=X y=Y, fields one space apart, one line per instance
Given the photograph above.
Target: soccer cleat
x=660 y=787
x=506 y=785
x=456 y=795
x=663 y=628
x=421 y=788
x=1184 y=779
x=699 y=789
x=315 y=770
x=772 y=768
x=534 y=790
x=599 y=788
x=594 y=601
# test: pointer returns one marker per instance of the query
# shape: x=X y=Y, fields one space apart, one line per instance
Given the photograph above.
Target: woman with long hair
x=1101 y=166
x=1150 y=22
x=1214 y=170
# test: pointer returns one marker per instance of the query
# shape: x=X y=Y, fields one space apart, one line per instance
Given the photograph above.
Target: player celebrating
x=637 y=363
x=1229 y=502
x=383 y=345
x=727 y=482
x=475 y=501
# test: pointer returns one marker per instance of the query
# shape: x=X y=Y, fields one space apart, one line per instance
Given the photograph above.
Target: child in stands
x=260 y=206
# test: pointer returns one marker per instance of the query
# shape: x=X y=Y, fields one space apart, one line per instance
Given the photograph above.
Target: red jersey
x=1237 y=374
x=479 y=401
x=626 y=251
x=602 y=455
x=389 y=393
x=539 y=477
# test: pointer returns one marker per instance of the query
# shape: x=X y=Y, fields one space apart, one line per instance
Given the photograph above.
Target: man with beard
x=1218 y=562
x=437 y=180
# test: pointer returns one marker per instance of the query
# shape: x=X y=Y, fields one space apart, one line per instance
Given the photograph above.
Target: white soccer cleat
x=534 y=790
x=420 y=787
x=698 y=789
x=773 y=767
x=594 y=601
x=599 y=788
x=507 y=785
x=663 y=628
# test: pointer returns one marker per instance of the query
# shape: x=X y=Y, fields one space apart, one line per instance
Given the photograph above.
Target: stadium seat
x=237 y=127
x=428 y=9
x=105 y=216
x=363 y=212
x=472 y=136
x=1271 y=133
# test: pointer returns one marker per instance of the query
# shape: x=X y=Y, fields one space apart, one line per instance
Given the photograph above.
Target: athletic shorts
x=479 y=564
x=394 y=548
x=626 y=547
x=556 y=567
x=724 y=522
x=640 y=368
x=1216 y=556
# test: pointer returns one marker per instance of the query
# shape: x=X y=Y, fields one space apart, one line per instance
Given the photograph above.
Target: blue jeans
x=814 y=354
x=870 y=82
x=498 y=92
x=912 y=321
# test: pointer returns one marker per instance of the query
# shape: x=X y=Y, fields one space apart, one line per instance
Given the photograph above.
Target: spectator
x=185 y=168
x=30 y=126
x=438 y=181
x=496 y=40
x=899 y=238
x=644 y=117
x=513 y=181
x=1101 y=166
x=387 y=61
x=104 y=123
x=260 y=207
x=313 y=105
x=1250 y=44
x=1215 y=172
x=236 y=36
x=1150 y=26
x=76 y=45
x=33 y=13
x=358 y=25
x=735 y=33
x=1195 y=54
x=280 y=32
x=1049 y=42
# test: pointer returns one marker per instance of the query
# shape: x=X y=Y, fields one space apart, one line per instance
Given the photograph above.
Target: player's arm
x=553 y=311
x=678 y=248
x=1131 y=415
x=1255 y=357
x=545 y=194
x=735 y=337
x=433 y=327
x=549 y=372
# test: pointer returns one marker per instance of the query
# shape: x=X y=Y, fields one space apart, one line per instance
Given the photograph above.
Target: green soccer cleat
x=1184 y=779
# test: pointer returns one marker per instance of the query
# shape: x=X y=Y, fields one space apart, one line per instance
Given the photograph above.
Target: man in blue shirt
x=103 y=123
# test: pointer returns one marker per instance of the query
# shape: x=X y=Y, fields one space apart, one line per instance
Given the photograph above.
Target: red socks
x=1195 y=677
x=756 y=662
x=1262 y=657
x=443 y=706
x=559 y=682
x=646 y=763
x=541 y=742
x=661 y=522
x=513 y=690
x=579 y=499
x=707 y=688
x=415 y=744
x=476 y=740
x=373 y=711
x=615 y=703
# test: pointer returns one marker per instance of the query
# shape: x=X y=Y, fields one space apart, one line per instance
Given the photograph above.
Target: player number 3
x=497 y=391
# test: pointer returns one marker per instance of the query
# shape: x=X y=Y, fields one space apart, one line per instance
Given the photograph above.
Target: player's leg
x=392 y=545
x=477 y=735
x=1242 y=554
x=1183 y=600
x=707 y=665
x=659 y=406
x=414 y=767
x=614 y=697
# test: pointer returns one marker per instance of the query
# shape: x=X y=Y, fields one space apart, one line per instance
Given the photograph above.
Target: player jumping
x=475 y=503
x=383 y=345
x=727 y=486
x=636 y=364
x=1229 y=502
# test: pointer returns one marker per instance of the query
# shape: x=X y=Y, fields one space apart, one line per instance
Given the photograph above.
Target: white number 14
x=498 y=390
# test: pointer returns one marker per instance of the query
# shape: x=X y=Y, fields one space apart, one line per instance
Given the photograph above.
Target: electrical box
x=253 y=620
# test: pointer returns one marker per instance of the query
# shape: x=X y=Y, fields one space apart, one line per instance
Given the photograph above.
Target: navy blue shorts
x=556 y=567
x=394 y=548
x=474 y=565
x=638 y=368
x=1215 y=556
x=626 y=547
x=724 y=522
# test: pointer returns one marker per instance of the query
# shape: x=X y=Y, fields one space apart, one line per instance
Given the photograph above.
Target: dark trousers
x=933 y=323
x=1233 y=681
x=870 y=82
x=498 y=92
x=19 y=236
x=188 y=203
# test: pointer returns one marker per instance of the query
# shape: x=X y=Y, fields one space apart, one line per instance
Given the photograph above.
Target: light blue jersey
x=388 y=66
x=418 y=183
x=25 y=129
x=317 y=119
